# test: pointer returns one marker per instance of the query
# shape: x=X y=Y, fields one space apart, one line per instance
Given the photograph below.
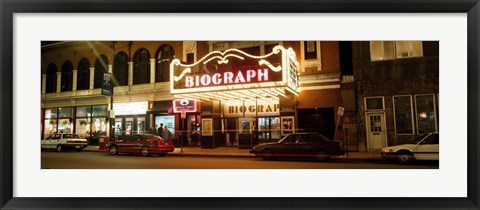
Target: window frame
x=395 y=57
x=434 y=112
x=369 y=97
x=310 y=62
x=411 y=112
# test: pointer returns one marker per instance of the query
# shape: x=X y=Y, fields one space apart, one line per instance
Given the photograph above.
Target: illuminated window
x=83 y=75
x=425 y=113
x=51 y=84
x=402 y=106
x=120 y=69
x=388 y=50
x=101 y=67
x=141 y=68
x=374 y=103
x=67 y=76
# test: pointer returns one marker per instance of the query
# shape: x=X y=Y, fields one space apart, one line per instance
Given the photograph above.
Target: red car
x=146 y=144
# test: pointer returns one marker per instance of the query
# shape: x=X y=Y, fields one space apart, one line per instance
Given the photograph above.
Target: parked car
x=425 y=147
x=64 y=141
x=145 y=144
x=299 y=145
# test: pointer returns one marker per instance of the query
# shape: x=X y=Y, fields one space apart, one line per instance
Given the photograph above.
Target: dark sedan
x=145 y=144
x=299 y=145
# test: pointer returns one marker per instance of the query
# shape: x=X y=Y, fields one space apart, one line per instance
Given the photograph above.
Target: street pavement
x=236 y=152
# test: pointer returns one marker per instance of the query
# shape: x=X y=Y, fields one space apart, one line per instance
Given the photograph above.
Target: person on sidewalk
x=166 y=133
x=160 y=130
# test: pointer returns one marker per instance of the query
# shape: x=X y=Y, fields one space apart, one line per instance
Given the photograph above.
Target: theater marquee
x=234 y=74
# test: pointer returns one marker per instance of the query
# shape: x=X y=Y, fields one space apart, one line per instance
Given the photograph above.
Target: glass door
x=268 y=129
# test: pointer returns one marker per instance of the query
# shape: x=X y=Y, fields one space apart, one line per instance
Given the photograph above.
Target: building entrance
x=268 y=129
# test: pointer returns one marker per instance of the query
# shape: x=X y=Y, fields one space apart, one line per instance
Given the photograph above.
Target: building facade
x=72 y=76
x=396 y=86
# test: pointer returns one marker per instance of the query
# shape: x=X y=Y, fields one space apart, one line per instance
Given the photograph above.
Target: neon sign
x=260 y=75
x=234 y=69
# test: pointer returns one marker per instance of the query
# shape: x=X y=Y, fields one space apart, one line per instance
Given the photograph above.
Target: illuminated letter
x=243 y=109
x=197 y=79
x=188 y=81
x=205 y=80
x=251 y=74
x=231 y=109
x=216 y=79
x=239 y=78
x=269 y=109
x=260 y=108
x=251 y=108
x=228 y=78
x=263 y=76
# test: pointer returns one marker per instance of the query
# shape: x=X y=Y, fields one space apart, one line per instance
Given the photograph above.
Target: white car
x=60 y=142
x=425 y=147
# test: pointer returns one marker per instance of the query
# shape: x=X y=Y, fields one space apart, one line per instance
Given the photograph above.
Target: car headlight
x=387 y=150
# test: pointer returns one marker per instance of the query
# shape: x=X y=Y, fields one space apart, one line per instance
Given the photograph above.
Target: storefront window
x=99 y=111
x=141 y=124
x=403 y=114
x=84 y=111
x=51 y=113
x=50 y=127
x=99 y=126
x=169 y=121
x=425 y=113
x=83 y=127
x=64 y=112
x=64 y=126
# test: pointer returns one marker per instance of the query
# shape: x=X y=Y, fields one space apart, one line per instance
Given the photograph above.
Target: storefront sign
x=131 y=108
x=234 y=69
x=251 y=110
x=184 y=105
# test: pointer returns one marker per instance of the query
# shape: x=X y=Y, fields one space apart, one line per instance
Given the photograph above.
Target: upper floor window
x=67 y=76
x=120 y=69
x=83 y=75
x=388 y=50
x=101 y=67
x=310 y=54
x=141 y=68
x=51 y=83
x=164 y=57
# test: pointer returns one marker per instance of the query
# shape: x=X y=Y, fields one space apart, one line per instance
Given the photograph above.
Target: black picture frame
x=10 y=7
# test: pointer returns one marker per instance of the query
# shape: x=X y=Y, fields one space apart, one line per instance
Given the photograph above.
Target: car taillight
x=70 y=141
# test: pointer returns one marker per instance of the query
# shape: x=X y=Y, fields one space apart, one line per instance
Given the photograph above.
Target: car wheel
x=405 y=157
x=145 y=152
x=113 y=150
x=321 y=155
x=268 y=154
x=59 y=148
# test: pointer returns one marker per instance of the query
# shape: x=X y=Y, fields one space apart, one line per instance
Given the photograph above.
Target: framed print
x=288 y=125
x=207 y=127
x=315 y=28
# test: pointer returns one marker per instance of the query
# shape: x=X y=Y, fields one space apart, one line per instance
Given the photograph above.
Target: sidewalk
x=235 y=152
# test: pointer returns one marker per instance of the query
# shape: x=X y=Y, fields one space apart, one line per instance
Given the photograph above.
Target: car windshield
x=419 y=138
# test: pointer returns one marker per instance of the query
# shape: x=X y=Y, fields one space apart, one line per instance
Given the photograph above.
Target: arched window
x=164 y=57
x=51 y=84
x=67 y=76
x=120 y=69
x=83 y=75
x=141 y=69
x=101 y=67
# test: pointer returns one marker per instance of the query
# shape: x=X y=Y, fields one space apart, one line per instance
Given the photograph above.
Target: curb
x=364 y=158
